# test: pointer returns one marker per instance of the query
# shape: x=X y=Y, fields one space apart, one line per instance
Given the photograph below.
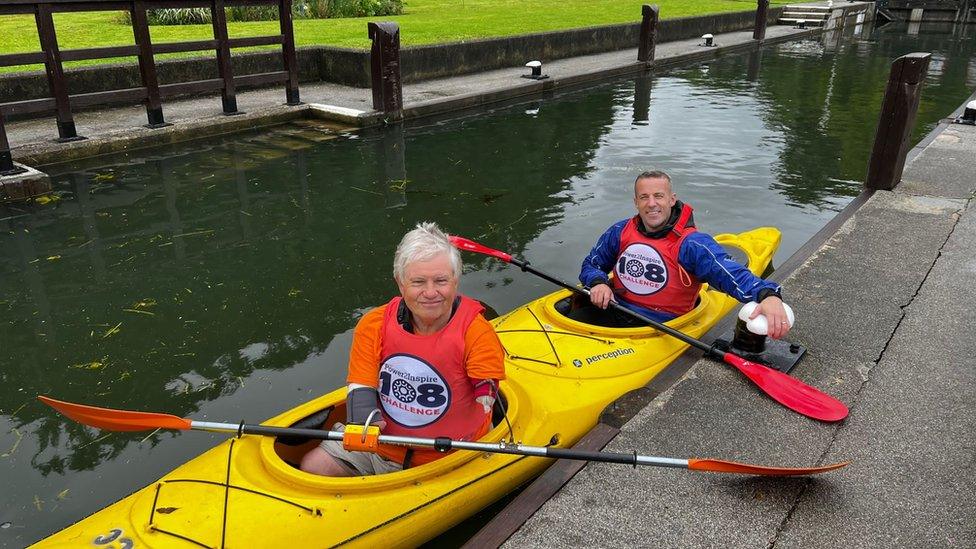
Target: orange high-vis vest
x=424 y=388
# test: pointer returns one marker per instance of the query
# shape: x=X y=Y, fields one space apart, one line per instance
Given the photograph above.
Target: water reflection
x=222 y=279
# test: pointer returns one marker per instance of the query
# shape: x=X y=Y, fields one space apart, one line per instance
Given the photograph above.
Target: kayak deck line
x=431 y=502
x=555 y=332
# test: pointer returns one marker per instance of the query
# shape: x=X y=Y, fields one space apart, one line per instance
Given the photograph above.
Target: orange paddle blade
x=721 y=466
x=115 y=420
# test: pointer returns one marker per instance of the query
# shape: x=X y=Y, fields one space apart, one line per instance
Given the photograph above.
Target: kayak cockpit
x=283 y=454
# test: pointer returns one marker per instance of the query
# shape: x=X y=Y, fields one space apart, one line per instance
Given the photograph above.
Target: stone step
x=809 y=22
x=819 y=9
x=805 y=15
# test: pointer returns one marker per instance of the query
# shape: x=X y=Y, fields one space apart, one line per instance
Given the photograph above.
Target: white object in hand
x=759 y=325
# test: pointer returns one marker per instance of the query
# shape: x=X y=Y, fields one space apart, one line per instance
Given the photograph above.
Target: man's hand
x=601 y=295
x=777 y=323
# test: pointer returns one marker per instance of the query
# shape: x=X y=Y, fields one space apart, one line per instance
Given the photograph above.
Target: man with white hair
x=428 y=361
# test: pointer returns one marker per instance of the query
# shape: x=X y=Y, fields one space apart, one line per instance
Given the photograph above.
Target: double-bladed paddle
x=127 y=420
x=788 y=391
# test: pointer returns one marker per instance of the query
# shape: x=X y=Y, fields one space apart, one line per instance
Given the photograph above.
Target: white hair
x=424 y=242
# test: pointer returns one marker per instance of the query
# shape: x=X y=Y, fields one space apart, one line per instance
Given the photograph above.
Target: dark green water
x=221 y=280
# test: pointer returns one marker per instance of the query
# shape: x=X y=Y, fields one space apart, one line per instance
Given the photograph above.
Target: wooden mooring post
x=898 y=110
x=648 y=33
x=384 y=60
x=762 y=14
x=7 y=166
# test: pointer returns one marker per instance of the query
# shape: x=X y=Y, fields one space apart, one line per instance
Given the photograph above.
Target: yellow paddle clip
x=361 y=438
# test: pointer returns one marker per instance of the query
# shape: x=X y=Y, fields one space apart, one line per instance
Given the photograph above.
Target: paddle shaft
x=128 y=420
x=711 y=351
x=444 y=444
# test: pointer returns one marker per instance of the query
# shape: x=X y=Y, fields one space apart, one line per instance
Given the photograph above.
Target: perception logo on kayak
x=412 y=392
x=612 y=354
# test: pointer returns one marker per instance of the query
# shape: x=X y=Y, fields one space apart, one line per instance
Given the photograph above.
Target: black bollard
x=384 y=59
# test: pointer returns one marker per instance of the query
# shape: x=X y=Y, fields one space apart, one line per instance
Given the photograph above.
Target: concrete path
x=886 y=311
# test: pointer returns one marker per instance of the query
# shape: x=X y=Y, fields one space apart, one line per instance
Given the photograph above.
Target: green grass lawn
x=423 y=22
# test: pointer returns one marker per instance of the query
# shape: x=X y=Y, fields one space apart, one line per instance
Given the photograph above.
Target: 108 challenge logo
x=641 y=269
x=412 y=392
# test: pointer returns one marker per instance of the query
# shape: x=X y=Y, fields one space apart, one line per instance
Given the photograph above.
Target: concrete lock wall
x=351 y=66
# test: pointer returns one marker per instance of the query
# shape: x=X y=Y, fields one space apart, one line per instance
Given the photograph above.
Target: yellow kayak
x=247 y=492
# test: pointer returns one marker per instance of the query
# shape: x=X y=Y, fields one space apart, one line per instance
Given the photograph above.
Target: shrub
x=360 y=8
x=301 y=9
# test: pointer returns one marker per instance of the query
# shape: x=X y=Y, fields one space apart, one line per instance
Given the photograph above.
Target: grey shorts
x=360 y=463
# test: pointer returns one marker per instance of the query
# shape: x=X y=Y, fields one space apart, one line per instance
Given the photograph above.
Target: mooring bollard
x=898 y=110
x=648 y=33
x=384 y=60
x=762 y=12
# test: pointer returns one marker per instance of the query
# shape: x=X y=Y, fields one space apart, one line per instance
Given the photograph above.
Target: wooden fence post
x=288 y=52
x=7 y=166
x=147 y=65
x=898 y=110
x=55 y=72
x=762 y=13
x=384 y=61
x=648 y=33
x=225 y=67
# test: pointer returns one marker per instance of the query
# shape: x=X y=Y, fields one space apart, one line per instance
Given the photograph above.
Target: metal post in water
x=898 y=110
x=384 y=59
x=648 y=33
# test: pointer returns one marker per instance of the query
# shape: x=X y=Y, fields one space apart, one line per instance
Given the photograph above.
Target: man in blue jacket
x=659 y=261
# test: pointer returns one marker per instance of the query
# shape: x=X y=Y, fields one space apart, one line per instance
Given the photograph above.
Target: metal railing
x=151 y=93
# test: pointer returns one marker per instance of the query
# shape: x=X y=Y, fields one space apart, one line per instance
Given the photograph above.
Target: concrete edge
x=24 y=185
x=51 y=153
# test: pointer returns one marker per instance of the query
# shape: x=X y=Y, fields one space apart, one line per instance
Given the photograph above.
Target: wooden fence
x=151 y=93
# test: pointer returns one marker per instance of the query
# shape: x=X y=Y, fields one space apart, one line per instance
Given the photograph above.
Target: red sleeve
x=364 y=357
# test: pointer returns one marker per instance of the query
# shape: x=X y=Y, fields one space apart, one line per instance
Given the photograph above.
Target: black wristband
x=766 y=292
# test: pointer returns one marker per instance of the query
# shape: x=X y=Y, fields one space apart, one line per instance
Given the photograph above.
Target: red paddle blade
x=115 y=420
x=462 y=243
x=721 y=466
x=789 y=391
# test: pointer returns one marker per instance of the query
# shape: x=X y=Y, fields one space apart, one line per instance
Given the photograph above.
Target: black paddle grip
x=589 y=455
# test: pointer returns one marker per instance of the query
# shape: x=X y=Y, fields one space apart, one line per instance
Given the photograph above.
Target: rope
x=548 y=339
